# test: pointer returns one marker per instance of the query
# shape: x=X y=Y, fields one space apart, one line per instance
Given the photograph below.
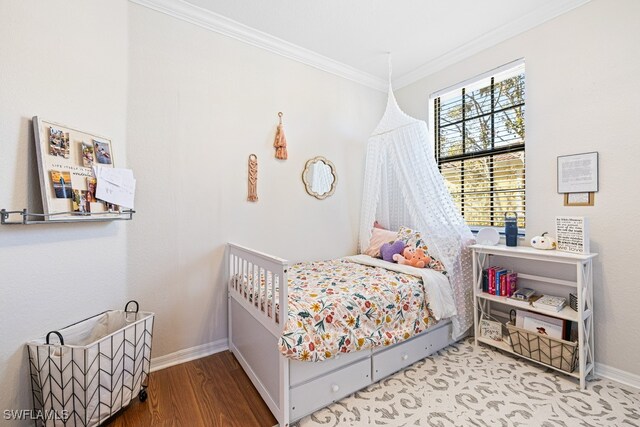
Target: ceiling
x=423 y=36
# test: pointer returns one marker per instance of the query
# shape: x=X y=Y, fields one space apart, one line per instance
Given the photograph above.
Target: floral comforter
x=339 y=306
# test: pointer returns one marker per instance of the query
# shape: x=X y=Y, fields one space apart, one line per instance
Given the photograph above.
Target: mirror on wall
x=319 y=177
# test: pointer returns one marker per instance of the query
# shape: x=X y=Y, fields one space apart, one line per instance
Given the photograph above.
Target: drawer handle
x=335 y=388
x=405 y=356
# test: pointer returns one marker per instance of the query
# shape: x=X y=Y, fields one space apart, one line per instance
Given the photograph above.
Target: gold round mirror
x=319 y=177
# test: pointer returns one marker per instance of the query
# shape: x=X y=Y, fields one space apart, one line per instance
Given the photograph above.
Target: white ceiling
x=422 y=35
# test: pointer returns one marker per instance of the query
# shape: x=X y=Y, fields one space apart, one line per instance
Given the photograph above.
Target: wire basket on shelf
x=554 y=352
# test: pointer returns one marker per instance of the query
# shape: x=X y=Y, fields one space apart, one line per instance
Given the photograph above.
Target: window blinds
x=480 y=141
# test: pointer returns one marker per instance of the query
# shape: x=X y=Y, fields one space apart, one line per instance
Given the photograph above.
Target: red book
x=512 y=283
x=491 y=273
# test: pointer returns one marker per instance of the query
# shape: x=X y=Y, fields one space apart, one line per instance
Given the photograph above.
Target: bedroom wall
x=199 y=104
x=65 y=61
x=184 y=107
x=582 y=81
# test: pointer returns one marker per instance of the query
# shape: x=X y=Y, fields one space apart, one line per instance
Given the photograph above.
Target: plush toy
x=389 y=250
x=413 y=257
x=543 y=242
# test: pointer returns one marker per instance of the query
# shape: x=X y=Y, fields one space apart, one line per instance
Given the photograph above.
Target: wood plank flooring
x=212 y=391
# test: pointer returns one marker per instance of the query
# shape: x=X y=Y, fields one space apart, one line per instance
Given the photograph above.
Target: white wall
x=582 y=86
x=199 y=104
x=184 y=107
x=65 y=61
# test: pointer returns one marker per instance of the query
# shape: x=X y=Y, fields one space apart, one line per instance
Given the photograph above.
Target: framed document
x=578 y=173
x=578 y=199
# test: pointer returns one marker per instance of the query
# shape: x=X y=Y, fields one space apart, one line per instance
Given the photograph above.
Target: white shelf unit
x=583 y=284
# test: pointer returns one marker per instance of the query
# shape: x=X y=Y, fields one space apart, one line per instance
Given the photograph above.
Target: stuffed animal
x=413 y=257
x=389 y=250
x=543 y=242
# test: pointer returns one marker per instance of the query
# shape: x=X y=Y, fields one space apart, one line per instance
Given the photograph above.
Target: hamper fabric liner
x=98 y=367
x=554 y=352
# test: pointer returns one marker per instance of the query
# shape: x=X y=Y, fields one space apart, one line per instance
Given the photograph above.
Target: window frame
x=434 y=111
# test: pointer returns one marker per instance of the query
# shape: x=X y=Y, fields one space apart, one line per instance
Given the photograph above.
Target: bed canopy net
x=403 y=187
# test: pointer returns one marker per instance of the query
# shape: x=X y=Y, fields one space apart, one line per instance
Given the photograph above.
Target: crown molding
x=492 y=38
x=204 y=18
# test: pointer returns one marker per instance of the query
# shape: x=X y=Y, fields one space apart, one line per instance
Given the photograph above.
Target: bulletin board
x=65 y=160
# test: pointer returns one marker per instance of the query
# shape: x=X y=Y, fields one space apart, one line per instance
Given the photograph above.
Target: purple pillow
x=388 y=250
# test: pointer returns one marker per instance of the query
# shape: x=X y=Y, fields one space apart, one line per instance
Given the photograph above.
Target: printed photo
x=87 y=155
x=110 y=207
x=80 y=202
x=61 y=184
x=58 y=143
x=102 y=152
x=91 y=190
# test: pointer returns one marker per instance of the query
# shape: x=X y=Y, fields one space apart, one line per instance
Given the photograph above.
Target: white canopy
x=403 y=187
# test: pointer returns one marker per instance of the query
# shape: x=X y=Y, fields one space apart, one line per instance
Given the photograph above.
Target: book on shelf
x=524 y=303
x=550 y=302
x=523 y=293
x=499 y=281
x=485 y=281
x=541 y=324
x=491 y=278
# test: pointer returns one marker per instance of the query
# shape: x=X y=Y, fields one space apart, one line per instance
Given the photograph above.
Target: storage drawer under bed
x=300 y=372
x=386 y=362
x=318 y=393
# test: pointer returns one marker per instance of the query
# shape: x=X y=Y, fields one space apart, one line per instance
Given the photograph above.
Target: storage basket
x=98 y=367
x=554 y=352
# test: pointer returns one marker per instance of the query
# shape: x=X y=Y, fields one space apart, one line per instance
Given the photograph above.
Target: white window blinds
x=480 y=143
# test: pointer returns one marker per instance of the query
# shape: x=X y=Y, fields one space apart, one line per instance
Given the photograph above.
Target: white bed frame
x=291 y=388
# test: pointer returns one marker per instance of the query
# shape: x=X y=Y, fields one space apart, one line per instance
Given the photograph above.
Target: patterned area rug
x=464 y=385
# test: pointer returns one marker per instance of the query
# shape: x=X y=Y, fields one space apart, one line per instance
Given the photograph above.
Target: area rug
x=465 y=385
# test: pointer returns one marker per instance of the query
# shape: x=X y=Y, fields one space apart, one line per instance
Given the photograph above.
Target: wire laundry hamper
x=98 y=367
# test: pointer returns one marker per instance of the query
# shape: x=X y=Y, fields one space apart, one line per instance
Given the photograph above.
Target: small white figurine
x=543 y=242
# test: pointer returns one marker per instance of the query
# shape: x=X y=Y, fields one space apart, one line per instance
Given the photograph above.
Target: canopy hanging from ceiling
x=403 y=187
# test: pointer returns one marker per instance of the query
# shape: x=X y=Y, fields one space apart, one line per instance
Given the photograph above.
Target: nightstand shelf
x=582 y=287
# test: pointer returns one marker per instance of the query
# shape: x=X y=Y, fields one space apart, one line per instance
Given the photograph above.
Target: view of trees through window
x=479 y=141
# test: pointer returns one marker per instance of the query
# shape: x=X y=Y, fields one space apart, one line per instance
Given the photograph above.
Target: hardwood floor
x=212 y=391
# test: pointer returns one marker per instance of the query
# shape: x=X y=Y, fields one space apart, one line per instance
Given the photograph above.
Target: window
x=480 y=142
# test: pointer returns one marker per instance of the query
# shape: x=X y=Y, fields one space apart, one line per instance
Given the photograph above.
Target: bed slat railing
x=257 y=281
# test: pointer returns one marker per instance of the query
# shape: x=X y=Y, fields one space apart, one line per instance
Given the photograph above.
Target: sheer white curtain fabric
x=403 y=186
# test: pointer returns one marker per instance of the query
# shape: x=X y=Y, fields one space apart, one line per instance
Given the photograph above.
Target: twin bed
x=309 y=334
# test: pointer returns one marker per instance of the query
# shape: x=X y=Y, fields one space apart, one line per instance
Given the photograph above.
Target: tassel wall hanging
x=280 y=143
x=253 y=178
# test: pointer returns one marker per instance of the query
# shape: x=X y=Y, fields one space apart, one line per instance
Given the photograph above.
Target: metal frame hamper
x=99 y=365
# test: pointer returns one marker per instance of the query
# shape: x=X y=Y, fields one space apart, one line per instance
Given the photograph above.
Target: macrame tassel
x=281 y=141
x=253 y=178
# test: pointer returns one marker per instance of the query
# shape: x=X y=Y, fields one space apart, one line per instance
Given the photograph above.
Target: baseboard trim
x=188 y=354
x=617 y=375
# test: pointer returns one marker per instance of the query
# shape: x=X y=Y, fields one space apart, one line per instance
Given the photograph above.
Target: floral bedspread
x=339 y=306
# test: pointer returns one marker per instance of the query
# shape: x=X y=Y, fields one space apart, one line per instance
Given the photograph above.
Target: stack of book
x=524 y=297
x=499 y=281
x=550 y=302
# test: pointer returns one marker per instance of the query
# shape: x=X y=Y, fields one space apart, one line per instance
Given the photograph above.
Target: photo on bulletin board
x=65 y=159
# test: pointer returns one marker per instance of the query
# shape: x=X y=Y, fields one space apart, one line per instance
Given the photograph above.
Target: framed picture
x=65 y=159
x=490 y=329
x=578 y=199
x=578 y=173
x=572 y=234
x=541 y=324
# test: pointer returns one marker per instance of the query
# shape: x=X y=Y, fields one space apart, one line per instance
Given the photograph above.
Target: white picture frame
x=578 y=173
x=572 y=234
x=60 y=152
